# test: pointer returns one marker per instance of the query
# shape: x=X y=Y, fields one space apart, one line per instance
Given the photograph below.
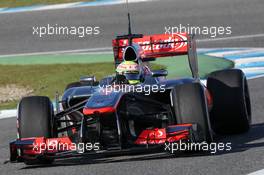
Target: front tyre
x=190 y=106
x=35 y=119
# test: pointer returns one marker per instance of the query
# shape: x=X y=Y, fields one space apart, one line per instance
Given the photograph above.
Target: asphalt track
x=245 y=17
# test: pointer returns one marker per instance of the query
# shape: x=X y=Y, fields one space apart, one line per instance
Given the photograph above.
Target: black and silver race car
x=111 y=116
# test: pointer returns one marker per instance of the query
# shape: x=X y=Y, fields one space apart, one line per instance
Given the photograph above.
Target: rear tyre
x=35 y=119
x=190 y=106
x=231 y=112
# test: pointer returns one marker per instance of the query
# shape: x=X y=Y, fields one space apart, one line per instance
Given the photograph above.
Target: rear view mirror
x=88 y=80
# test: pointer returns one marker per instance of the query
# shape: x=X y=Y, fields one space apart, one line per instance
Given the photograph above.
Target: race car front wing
x=63 y=147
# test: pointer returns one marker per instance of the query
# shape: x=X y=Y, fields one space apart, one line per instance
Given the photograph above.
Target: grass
x=47 y=79
x=57 y=59
x=20 y=3
x=179 y=66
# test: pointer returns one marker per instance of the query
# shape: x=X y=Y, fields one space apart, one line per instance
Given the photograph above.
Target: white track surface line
x=8 y=113
x=91 y=50
x=234 y=52
x=57 y=6
x=249 y=60
x=253 y=69
x=258 y=76
x=259 y=172
x=65 y=5
x=232 y=37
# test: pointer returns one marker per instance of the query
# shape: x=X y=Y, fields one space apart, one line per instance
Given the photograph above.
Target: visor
x=132 y=76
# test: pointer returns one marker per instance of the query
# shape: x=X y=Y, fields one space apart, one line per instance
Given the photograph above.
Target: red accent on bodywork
x=209 y=99
x=152 y=136
x=47 y=145
x=160 y=135
x=89 y=111
x=154 y=46
x=183 y=124
x=74 y=130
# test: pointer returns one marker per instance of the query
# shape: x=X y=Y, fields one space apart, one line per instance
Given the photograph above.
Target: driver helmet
x=130 y=70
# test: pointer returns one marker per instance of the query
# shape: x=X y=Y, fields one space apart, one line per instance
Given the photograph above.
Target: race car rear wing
x=158 y=46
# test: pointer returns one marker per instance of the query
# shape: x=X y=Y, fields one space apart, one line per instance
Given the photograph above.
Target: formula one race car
x=113 y=116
